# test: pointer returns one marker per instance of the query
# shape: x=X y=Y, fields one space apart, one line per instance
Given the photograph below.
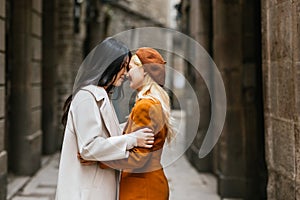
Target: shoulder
x=147 y=105
x=90 y=92
x=147 y=102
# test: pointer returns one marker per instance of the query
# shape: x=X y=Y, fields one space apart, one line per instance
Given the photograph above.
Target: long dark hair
x=107 y=77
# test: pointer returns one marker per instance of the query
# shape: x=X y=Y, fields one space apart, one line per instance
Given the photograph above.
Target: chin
x=132 y=86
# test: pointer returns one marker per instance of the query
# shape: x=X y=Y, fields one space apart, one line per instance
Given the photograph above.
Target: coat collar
x=98 y=92
x=107 y=110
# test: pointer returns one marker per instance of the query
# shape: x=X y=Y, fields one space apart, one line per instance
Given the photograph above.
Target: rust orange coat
x=143 y=177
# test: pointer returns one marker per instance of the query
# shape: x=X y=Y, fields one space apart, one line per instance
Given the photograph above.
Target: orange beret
x=153 y=64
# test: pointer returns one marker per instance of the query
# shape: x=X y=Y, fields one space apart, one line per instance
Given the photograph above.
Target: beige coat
x=91 y=129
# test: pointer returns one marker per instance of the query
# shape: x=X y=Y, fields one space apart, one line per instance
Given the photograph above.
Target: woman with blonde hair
x=143 y=177
x=92 y=128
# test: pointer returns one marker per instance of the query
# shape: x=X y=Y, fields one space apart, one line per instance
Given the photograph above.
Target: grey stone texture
x=2 y=68
x=230 y=32
x=2 y=35
x=24 y=93
x=3 y=153
x=280 y=45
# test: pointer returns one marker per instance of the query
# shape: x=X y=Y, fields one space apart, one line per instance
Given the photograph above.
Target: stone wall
x=156 y=10
x=23 y=86
x=281 y=81
x=3 y=153
x=69 y=51
x=230 y=32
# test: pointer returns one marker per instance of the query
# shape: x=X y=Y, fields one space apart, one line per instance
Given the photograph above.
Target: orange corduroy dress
x=143 y=177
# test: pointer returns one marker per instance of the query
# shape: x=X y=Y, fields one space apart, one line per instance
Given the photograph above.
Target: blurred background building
x=255 y=45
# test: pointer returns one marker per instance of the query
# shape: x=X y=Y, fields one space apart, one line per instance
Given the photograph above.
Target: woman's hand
x=144 y=137
x=85 y=162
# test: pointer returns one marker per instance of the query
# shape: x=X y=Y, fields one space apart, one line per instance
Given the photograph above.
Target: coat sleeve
x=145 y=114
x=88 y=128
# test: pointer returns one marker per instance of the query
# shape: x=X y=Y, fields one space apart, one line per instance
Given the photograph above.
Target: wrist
x=131 y=141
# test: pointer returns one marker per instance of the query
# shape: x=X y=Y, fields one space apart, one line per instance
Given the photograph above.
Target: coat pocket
x=96 y=194
x=98 y=177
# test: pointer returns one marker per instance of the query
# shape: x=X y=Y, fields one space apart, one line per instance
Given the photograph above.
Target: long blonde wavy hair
x=152 y=90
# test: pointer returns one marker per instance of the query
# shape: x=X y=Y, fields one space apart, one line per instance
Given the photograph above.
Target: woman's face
x=122 y=73
x=135 y=75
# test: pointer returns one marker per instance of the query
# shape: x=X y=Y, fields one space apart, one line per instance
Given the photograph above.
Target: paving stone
x=30 y=198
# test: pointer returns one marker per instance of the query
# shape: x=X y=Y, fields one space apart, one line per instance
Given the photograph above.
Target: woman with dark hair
x=92 y=129
x=143 y=176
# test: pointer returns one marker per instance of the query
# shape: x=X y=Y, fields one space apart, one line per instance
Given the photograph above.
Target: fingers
x=148 y=146
x=146 y=130
x=85 y=162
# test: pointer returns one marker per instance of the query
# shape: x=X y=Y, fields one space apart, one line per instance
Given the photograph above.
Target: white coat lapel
x=106 y=109
x=110 y=118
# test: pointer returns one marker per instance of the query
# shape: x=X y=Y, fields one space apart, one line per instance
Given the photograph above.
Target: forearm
x=136 y=159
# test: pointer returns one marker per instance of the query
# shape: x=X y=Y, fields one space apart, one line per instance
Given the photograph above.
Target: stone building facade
x=281 y=83
x=39 y=51
x=256 y=48
x=3 y=152
x=42 y=44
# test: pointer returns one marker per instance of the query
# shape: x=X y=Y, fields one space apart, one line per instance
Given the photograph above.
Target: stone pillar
x=200 y=27
x=227 y=51
x=70 y=43
x=25 y=87
x=3 y=154
x=281 y=73
x=49 y=119
x=239 y=160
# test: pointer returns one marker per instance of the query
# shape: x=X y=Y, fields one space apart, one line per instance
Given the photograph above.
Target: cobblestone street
x=184 y=181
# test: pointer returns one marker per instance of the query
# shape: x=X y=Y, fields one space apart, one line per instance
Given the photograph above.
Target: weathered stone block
x=205 y=25
x=36 y=24
x=271 y=188
x=281 y=1
x=281 y=32
x=248 y=13
x=36 y=49
x=2 y=132
x=297 y=148
x=297 y=191
x=37 y=5
x=228 y=51
x=286 y=94
x=273 y=87
x=3 y=185
x=228 y=20
x=2 y=8
x=285 y=188
x=36 y=96
x=231 y=152
x=266 y=86
x=249 y=48
x=297 y=90
x=233 y=85
x=2 y=35
x=265 y=35
x=283 y=147
x=280 y=187
x=3 y=163
x=36 y=76
x=2 y=68
x=36 y=120
x=296 y=31
x=2 y=102
x=269 y=142
x=232 y=187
